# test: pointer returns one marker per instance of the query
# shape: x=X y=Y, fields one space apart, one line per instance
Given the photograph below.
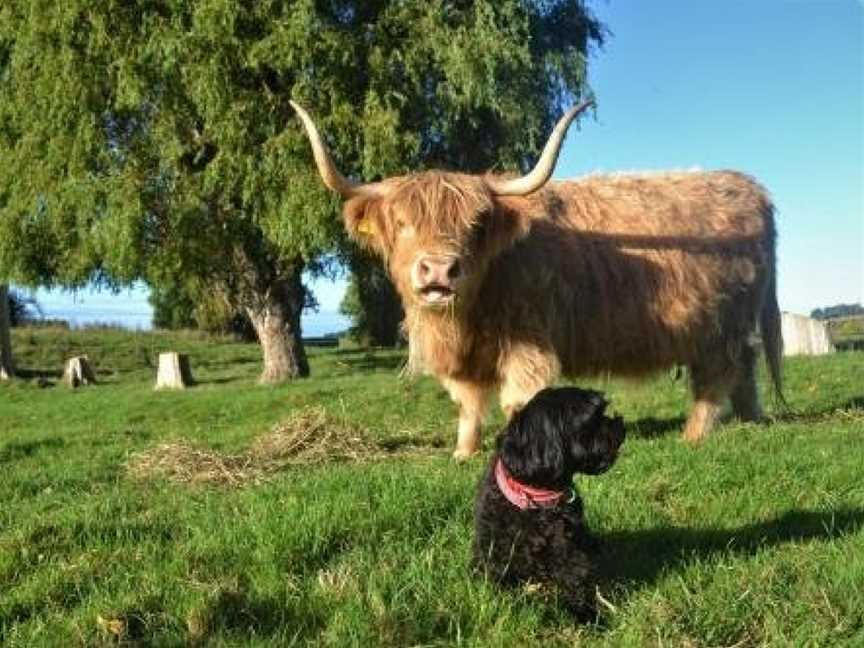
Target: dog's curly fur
x=558 y=433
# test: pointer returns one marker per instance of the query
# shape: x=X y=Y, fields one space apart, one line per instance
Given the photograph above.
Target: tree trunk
x=7 y=369
x=276 y=318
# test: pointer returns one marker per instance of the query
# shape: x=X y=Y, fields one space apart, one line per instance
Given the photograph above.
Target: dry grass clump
x=310 y=436
x=184 y=463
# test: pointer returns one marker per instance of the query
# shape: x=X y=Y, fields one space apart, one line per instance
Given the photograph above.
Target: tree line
x=838 y=310
x=154 y=140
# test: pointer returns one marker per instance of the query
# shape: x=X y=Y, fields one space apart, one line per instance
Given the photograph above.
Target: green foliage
x=149 y=140
x=755 y=538
x=155 y=139
x=192 y=305
x=372 y=303
x=851 y=327
x=173 y=308
x=214 y=314
x=22 y=308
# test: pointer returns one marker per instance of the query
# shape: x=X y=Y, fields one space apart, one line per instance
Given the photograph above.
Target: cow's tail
x=772 y=335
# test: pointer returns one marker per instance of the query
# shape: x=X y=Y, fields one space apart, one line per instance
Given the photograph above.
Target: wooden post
x=174 y=371
x=78 y=372
x=7 y=369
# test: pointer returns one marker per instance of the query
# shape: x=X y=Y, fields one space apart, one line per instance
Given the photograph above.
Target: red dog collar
x=523 y=496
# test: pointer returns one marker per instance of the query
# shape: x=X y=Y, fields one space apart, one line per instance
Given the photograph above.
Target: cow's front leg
x=472 y=399
x=525 y=371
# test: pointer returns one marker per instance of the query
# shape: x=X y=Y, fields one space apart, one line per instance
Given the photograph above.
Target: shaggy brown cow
x=509 y=283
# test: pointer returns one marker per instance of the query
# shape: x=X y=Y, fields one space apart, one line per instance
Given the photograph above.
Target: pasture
x=755 y=538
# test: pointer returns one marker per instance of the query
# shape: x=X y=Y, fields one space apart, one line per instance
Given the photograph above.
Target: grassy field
x=755 y=538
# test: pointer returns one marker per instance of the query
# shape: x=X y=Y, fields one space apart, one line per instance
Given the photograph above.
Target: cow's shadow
x=367 y=360
x=791 y=415
x=650 y=427
x=639 y=557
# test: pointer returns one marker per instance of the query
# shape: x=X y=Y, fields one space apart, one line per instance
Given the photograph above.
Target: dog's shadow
x=639 y=557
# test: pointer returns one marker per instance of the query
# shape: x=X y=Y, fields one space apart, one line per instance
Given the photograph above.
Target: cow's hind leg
x=711 y=383
x=745 y=395
x=472 y=399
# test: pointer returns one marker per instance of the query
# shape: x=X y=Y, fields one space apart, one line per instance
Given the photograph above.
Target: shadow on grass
x=31 y=374
x=641 y=556
x=854 y=403
x=372 y=363
x=223 y=381
x=14 y=450
x=407 y=443
x=367 y=360
x=652 y=428
x=817 y=415
x=241 y=612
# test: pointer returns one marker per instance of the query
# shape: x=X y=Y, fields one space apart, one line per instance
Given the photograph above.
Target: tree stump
x=78 y=372
x=173 y=371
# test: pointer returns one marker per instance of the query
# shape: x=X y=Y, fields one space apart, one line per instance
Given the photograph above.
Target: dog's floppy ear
x=533 y=448
x=582 y=405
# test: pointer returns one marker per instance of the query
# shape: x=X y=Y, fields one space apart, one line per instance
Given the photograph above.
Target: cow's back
x=632 y=273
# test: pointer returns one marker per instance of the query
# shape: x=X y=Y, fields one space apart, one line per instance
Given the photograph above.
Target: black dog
x=528 y=523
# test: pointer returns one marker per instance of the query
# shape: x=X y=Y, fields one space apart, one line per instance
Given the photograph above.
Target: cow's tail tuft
x=770 y=327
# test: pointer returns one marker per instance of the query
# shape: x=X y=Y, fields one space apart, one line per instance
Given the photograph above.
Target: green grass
x=755 y=538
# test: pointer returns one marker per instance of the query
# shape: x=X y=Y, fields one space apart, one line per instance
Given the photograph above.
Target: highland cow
x=509 y=283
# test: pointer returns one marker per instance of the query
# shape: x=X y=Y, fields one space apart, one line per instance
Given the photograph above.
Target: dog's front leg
x=574 y=579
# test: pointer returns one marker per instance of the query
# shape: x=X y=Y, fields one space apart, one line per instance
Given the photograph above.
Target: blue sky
x=774 y=88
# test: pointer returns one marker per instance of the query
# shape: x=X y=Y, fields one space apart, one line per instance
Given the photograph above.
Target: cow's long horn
x=329 y=173
x=541 y=173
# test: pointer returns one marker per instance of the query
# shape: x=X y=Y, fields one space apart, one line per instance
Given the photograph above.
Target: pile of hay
x=308 y=437
x=184 y=463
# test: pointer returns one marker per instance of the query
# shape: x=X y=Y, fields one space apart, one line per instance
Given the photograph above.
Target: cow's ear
x=508 y=222
x=363 y=222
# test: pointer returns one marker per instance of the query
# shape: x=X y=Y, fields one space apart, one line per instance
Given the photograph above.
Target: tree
x=155 y=140
x=838 y=310
x=372 y=303
x=22 y=308
x=193 y=305
x=149 y=141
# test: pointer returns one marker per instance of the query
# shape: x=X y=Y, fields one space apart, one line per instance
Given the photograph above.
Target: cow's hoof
x=461 y=455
